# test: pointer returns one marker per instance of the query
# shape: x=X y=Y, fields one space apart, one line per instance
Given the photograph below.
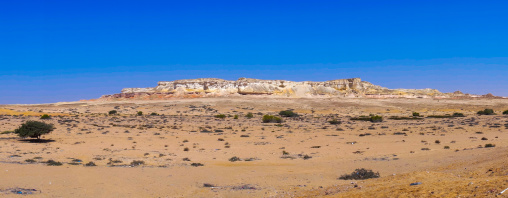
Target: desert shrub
x=236 y=117
x=90 y=164
x=137 y=162
x=404 y=118
x=30 y=160
x=446 y=147
x=360 y=174
x=221 y=116
x=334 y=121
x=288 y=113
x=271 y=119
x=376 y=118
x=154 y=114
x=140 y=113
x=53 y=163
x=249 y=115
x=416 y=114
x=234 y=159
x=6 y=132
x=34 y=129
x=197 y=164
x=458 y=115
x=45 y=117
x=113 y=112
x=505 y=112
x=489 y=145
x=486 y=112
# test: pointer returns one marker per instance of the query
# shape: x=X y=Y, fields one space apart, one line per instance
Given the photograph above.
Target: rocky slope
x=214 y=87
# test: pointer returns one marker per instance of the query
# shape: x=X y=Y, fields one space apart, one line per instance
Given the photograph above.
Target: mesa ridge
x=215 y=87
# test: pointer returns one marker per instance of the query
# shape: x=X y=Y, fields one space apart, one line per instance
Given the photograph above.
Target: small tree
x=34 y=129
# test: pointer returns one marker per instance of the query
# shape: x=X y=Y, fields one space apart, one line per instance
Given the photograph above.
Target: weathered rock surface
x=214 y=87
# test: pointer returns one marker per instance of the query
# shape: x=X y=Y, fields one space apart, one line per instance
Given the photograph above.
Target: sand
x=316 y=152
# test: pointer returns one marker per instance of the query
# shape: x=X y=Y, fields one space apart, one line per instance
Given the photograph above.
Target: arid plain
x=185 y=151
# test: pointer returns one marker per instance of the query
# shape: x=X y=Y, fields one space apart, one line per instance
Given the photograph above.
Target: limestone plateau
x=214 y=87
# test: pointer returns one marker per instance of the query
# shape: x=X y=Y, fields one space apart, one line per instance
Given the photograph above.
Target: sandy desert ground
x=185 y=151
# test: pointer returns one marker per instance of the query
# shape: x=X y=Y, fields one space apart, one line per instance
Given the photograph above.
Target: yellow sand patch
x=28 y=113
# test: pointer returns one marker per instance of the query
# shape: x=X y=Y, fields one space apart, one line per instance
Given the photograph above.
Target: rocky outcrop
x=214 y=87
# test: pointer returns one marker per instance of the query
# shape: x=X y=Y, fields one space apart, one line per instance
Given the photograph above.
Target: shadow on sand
x=36 y=140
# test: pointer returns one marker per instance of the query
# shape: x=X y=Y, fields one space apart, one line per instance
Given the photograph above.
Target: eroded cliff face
x=214 y=87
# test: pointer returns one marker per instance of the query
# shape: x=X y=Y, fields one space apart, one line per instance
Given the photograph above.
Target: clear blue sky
x=53 y=51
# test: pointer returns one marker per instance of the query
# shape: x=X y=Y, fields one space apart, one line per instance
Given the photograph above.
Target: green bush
x=360 y=174
x=489 y=145
x=45 y=117
x=236 y=117
x=376 y=118
x=249 y=115
x=458 y=115
x=140 y=113
x=486 y=112
x=416 y=114
x=113 y=112
x=288 y=113
x=271 y=119
x=34 y=129
x=154 y=114
x=505 y=112
x=221 y=116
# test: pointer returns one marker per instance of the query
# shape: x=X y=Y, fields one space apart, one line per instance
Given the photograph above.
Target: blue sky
x=53 y=51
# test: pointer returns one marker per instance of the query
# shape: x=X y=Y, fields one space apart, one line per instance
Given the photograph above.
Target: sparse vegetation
x=486 y=112
x=34 y=129
x=372 y=118
x=505 y=112
x=235 y=117
x=490 y=145
x=271 y=119
x=360 y=174
x=140 y=113
x=113 y=112
x=234 y=159
x=288 y=113
x=53 y=163
x=334 y=122
x=45 y=117
x=137 y=163
x=249 y=115
x=416 y=114
x=221 y=116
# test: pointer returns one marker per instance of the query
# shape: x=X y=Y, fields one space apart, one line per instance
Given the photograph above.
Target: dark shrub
x=154 y=114
x=234 y=159
x=271 y=119
x=197 y=164
x=34 y=129
x=140 y=113
x=137 y=162
x=458 y=115
x=53 y=163
x=249 y=115
x=90 y=164
x=288 y=113
x=221 y=116
x=489 y=145
x=505 y=112
x=360 y=174
x=334 y=121
x=376 y=118
x=416 y=114
x=236 y=117
x=45 y=117
x=486 y=112
x=113 y=112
